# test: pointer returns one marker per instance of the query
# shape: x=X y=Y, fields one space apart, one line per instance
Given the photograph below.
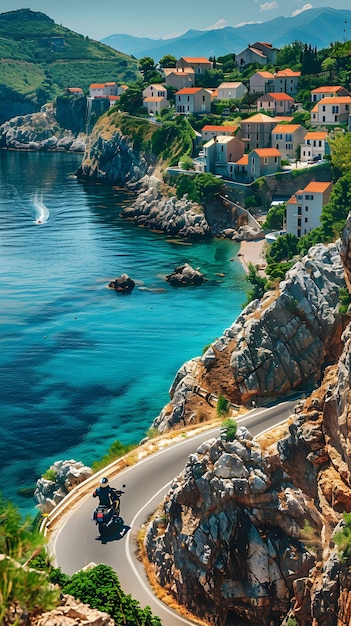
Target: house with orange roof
x=231 y=90
x=179 y=77
x=328 y=91
x=76 y=91
x=256 y=131
x=264 y=162
x=209 y=131
x=200 y=65
x=220 y=151
x=304 y=208
x=287 y=139
x=258 y=52
x=239 y=171
x=276 y=103
x=193 y=100
x=102 y=90
x=155 y=104
x=262 y=82
x=286 y=81
x=331 y=111
x=315 y=146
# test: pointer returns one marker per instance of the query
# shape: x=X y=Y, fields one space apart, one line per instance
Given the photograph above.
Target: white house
x=287 y=139
x=262 y=82
x=102 y=90
x=193 y=100
x=221 y=150
x=328 y=91
x=304 y=208
x=286 y=81
x=231 y=90
x=315 y=146
x=179 y=77
x=331 y=111
x=209 y=131
x=277 y=103
x=258 y=52
x=200 y=65
x=155 y=91
x=155 y=104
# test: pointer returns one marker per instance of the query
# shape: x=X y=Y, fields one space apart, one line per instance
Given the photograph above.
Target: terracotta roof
x=328 y=89
x=259 y=118
x=97 y=86
x=258 y=52
x=286 y=128
x=109 y=84
x=188 y=91
x=316 y=187
x=222 y=128
x=293 y=200
x=154 y=99
x=195 y=60
x=244 y=160
x=277 y=96
x=339 y=100
x=228 y=85
x=316 y=135
x=264 y=74
x=265 y=152
x=178 y=70
x=74 y=89
x=287 y=72
x=114 y=97
x=157 y=86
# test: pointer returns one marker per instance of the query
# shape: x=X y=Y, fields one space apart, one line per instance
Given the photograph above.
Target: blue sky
x=161 y=19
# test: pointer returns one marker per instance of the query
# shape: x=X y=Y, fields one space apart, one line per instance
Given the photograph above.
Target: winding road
x=76 y=544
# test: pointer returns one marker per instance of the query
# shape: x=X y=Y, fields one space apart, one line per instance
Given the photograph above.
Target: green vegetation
x=223 y=405
x=100 y=587
x=343 y=539
x=115 y=451
x=173 y=140
x=21 y=586
x=201 y=188
x=258 y=285
x=229 y=428
x=345 y=300
x=275 y=217
x=38 y=54
x=50 y=474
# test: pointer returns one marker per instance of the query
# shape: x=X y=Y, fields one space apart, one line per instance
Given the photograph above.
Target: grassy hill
x=38 y=58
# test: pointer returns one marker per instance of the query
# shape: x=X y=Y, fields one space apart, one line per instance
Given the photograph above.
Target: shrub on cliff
x=173 y=140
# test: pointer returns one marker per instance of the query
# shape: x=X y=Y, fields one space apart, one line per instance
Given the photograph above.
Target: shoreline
x=253 y=252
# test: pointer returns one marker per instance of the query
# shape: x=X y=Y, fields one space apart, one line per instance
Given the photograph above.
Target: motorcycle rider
x=107 y=495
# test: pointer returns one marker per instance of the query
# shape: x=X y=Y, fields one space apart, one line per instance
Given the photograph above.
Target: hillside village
x=276 y=135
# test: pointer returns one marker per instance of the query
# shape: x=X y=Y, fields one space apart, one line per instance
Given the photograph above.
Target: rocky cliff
x=246 y=532
x=277 y=345
x=39 y=131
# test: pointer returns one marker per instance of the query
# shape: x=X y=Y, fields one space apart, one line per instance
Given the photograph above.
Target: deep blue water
x=81 y=365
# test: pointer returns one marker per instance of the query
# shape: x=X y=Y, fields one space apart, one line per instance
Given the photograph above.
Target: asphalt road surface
x=77 y=543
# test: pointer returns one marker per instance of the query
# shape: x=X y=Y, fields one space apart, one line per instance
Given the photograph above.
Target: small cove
x=80 y=365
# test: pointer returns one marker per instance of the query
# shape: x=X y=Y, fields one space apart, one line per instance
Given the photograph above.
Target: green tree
x=283 y=248
x=228 y=429
x=340 y=146
x=21 y=585
x=100 y=587
x=146 y=65
x=257 y=282
x=335 y=212
x=131 y=101
x=223 y=405
x=168 y=60
x=275 y=217
x=342 y=538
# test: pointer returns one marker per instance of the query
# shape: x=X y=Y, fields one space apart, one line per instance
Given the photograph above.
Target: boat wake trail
x=41 y=211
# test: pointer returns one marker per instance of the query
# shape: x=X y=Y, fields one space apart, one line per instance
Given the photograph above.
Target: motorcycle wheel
x=101 y=526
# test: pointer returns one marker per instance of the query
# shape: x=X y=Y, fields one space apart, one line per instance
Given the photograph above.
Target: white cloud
x=245 y=23
x=220 y=24
x=269 y=6
x=306 y=7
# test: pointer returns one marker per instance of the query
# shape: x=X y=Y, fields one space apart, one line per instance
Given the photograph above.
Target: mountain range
x=318 y=27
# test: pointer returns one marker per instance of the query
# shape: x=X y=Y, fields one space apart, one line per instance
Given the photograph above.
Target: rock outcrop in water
x=39 y=131
x=184 y=276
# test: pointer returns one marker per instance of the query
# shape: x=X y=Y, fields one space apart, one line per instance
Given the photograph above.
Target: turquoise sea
x=81 y=365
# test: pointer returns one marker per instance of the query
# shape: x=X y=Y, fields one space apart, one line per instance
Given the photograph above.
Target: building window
x=306 y=220
x=299 y=210
x=265 y=160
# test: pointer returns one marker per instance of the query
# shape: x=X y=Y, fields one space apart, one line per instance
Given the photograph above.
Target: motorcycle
x=105 y=516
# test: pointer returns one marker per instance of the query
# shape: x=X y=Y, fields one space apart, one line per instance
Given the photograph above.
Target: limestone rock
x=185 y=275
x=122 y=284
x=67 y=475
x=71 y=612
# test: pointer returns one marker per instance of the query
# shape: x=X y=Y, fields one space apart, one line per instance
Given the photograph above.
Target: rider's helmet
x=104 y=482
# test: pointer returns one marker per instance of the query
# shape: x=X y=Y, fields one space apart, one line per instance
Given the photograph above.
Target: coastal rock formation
x=64 y=476
x=278 y=344
x=185 y=275
x=39 y=131
x=155 y=211
x=113 y=159
x=122 y=284
x=226 y=541
x=71 y=612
